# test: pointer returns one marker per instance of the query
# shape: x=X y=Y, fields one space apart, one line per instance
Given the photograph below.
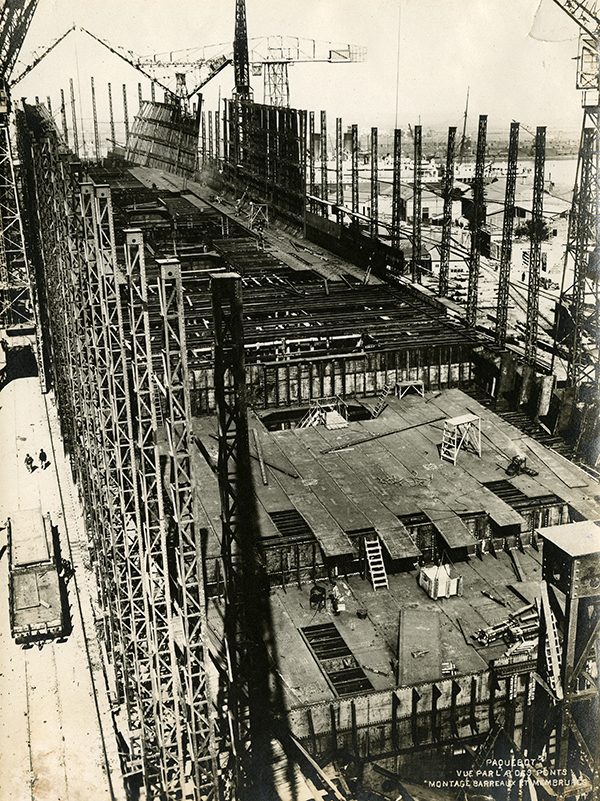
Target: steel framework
x=415 y=260
x=230 y=396
x=196 y=743
x=396 y=189
x=477 y=221
x=323 y=154
x=276 y=84
x=119 y=429
x=579 y=304
x=241 y=60
x=125 y=112
x=63 y=117
x=354 y=167
x=566 y=696
x=535 y=250
x=447 y=214
x=95 y=120
x=374 y=184
x=16 y=297
x=111 y=116
x=339 y=163
x=74 y=118
x=507 y=236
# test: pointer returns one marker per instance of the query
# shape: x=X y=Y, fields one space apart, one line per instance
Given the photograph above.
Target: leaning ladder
x=381 y=400
x=377 y=572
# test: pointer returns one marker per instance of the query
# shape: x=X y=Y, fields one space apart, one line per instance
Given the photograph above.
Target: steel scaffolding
x=535 y=250
x=447 y=214
x=122 y=391
x=374 y=184
x=415 y=261
x=354 y=167
x=323 y=154
x=507 y=236
x=230 y=396
x=397 y=189
x=477 y=222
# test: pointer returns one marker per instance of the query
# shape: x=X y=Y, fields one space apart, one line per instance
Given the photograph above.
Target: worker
x=335 y=597
x=318 y=594
x=43 y=459
x=29 y=463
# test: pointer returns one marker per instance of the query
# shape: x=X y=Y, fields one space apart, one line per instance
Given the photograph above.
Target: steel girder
x=397 y=189
x=415 y=260
x=324 y=174
x=447 y=214
x=189 y=602
x=374 y=184
x=477 y=221
x=507 y=236
x=354 y=167
x=535 y=249
x=230 y=395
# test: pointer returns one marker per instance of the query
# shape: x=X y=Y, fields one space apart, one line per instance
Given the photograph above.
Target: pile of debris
x=519 y=631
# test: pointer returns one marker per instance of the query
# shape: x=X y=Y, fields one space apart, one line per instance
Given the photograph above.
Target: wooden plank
x=344 y=469
x=419 y=646
x=302 y=449
x=571 y=477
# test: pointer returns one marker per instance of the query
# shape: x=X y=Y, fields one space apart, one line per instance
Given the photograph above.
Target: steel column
x=507 y=236
x=535 y=249
x=477 y=222
x=447 y=214
x=397 y=189
x=415 y=261
x=374 y=184
x=74 y=118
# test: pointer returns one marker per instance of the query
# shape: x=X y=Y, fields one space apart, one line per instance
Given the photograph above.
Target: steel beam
x=230 y=396
x=374 y=184
x=415 y=262
x=397 y=189
x=447 y=214
x=111 y=116
x=95 y=120
x=63 y=117
x=339 y=162
x=535 y=249
x=125 y=112
x=188 y=582
x=74 y=118
x=477 y=222
x=507 y=236
x=324 y=173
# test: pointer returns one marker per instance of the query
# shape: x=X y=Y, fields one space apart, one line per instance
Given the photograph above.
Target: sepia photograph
x=299 y=400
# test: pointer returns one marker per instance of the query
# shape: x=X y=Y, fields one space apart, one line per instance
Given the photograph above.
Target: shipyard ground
x=53 y=700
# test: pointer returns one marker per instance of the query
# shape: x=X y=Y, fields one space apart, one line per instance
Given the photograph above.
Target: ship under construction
x=325 y=522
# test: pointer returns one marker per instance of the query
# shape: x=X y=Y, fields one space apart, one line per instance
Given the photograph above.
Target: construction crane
x=16 y=297
x=269 y=56
x=272 y=55
x=148 y=66
x=577 y=332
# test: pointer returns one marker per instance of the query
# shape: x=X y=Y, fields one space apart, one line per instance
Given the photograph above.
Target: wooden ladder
x=377 y=572
x=449 y=449
x=381 y=400
x=311 y=418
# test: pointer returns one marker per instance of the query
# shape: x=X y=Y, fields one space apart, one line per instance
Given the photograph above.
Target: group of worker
x=43 y=461
x=318 y=597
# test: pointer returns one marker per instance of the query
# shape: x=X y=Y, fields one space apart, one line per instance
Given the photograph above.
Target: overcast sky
x=426 y=52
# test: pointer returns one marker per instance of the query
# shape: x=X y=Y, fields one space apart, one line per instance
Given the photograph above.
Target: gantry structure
x=17 y=300
x=120 y=371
